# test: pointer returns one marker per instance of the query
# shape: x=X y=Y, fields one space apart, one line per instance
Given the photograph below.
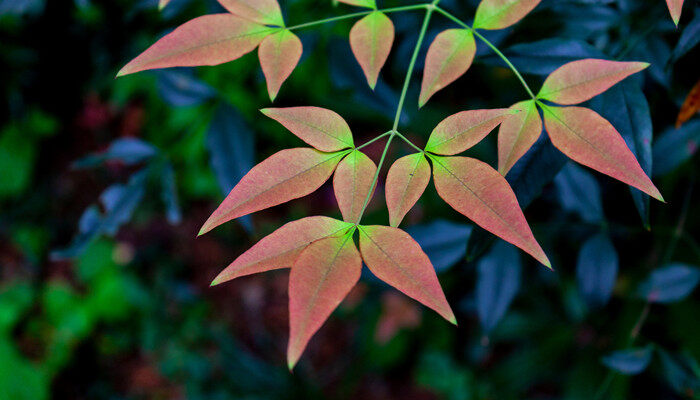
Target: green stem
x=355 y=15
x=410 y=143
x=373 y=140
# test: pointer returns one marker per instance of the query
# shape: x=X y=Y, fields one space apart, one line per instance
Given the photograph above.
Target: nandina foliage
x=322 y=253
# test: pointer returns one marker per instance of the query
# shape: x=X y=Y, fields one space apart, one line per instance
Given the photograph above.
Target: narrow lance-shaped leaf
x=405 y=183
x=321 y=128
x=589 y=139
x=448 y=58
x=321 y=277
x=282 y=247
x=690 y=107
x=207 y=40
x=279 y=54
x=360 y=3
x=463 y=130
x=371 y=39
x=499 y=14
x=394 y=257
x=352 y=183
x=284 y=176
x=578 y=81
x=675 y=7
x=517 y=133
x=483 y=195
x=266 y=12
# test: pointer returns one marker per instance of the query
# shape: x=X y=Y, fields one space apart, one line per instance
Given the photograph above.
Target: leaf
x=629 y=362
x=579 y=192
x=360 y=3
x=680 y=371
x=168 y=194
x=405 y=183
x=395 y=258
x=690 y=107
x=279 y=54
x=589 y=139
x=448 y=58
x=499 y=14
x=127 y=150
x=517 y=134
x=284 y=176
x=182 y=89
x=670 y=283
x=481 y=194
x=463 y=130
x=444 y=242
x=266 y=12
x=162 y=4
x=207 y=40
x=352 y=183
x=535 y=170
x=371 y=39
x=675 y=7
x=321 y=277
x=674 y=147
x=497 y=283
x=282 y=247
x=688 y=40
x=578 y=81
x=596 y=270
x=321 y=128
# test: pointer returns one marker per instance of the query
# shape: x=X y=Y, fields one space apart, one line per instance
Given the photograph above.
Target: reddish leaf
x=690 y=106
x=394 y=257
x=405 y=183
x=207 y=40
x=360 y=3
x=279 y=54
x=371 y=39
x=589 y=139
x=266 y=12
x=675 y=7
x=321 y=128
x=578 y=81
x=321 y=277
x=482 y=194
x=449 y=57
x=499 y=14
x=282 y=247
x=352 y=183
x=518 y=132
x=286 y=175
x=463 y=130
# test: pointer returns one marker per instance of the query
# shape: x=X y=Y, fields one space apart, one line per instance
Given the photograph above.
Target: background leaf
x=675 y=147
x=180 y=88
x=579 y=192
x=670 y=283
x=596 y=270
x=629 y=362
x=497 y=283
x=445 y=242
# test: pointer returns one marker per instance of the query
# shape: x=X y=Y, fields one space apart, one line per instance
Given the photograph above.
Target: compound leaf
x=206 y=40
x=578 y=81
x=371 y=39
x=499 y=14
x=463 y=130
x=405 y=183
x=448 y=58
x=394 y=257
x=279 y=54
x=352 y=183
x=266 y=12
x=517 y=133
x=321 y=128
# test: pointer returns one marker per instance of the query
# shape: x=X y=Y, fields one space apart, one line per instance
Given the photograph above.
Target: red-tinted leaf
x=282 y=247
x=518 y=132
x=587 y=138
x=449 y=57
x=279 y=55
x=321 y=128
x=578 y=81
x=207 y=40
x=352 y=182
x=499 y=14
x=690 y=106
x=463 y=130
x=405 y=183
x=675 y=7
x=286 y=175
x=321 y=277
x=265 y=12
x=371 y=39
x=482 y=194
x=394 y=257
x=360 y=3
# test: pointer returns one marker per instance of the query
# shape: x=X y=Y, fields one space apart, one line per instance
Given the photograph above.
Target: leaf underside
x=405 y=183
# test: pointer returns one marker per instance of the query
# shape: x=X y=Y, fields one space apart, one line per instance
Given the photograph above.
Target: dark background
x=104 y=184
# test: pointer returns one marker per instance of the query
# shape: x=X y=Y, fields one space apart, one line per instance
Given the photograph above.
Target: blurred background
x=104 y=183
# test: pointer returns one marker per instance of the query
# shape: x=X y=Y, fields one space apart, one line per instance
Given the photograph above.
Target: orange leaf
x=371 y=39
x=499 y=14
x=279 y=54
x=463 y=130
x=352 y=183
x=282 y=247
x=589 y=139
x=266 y=12
x=518 y=132
x=448 y=58
x=483 y=195
x=394 y=257
x=286 y=175
x=321 y=277
x=405 y=183
x=675 y=7
x=321 y=128
x=690 y=106
x=207 y=40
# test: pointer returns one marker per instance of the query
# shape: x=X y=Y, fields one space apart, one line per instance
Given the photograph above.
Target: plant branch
x=355 y=15
x=373 y=140
x=408 y=141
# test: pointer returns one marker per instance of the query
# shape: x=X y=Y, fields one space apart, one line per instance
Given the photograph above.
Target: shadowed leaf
x=321 y=128
x=596 y=270
x=690 y=106
x=517 y=133
x=463 y=130
x=352 y=183
x=675 y=146
x=497 y=283
x=279 y=54
x=162 y=4
x=445 y=242
x=405 y=183
x=499 y=14
x=266 y=12
x=448 y=58
x=630 y=361
x=670 y=284
x=371 y=39
x=579 y=192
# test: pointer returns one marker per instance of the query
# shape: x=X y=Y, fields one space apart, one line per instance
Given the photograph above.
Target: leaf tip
x=206 y=228
x=291 y=362
x=453 y=320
